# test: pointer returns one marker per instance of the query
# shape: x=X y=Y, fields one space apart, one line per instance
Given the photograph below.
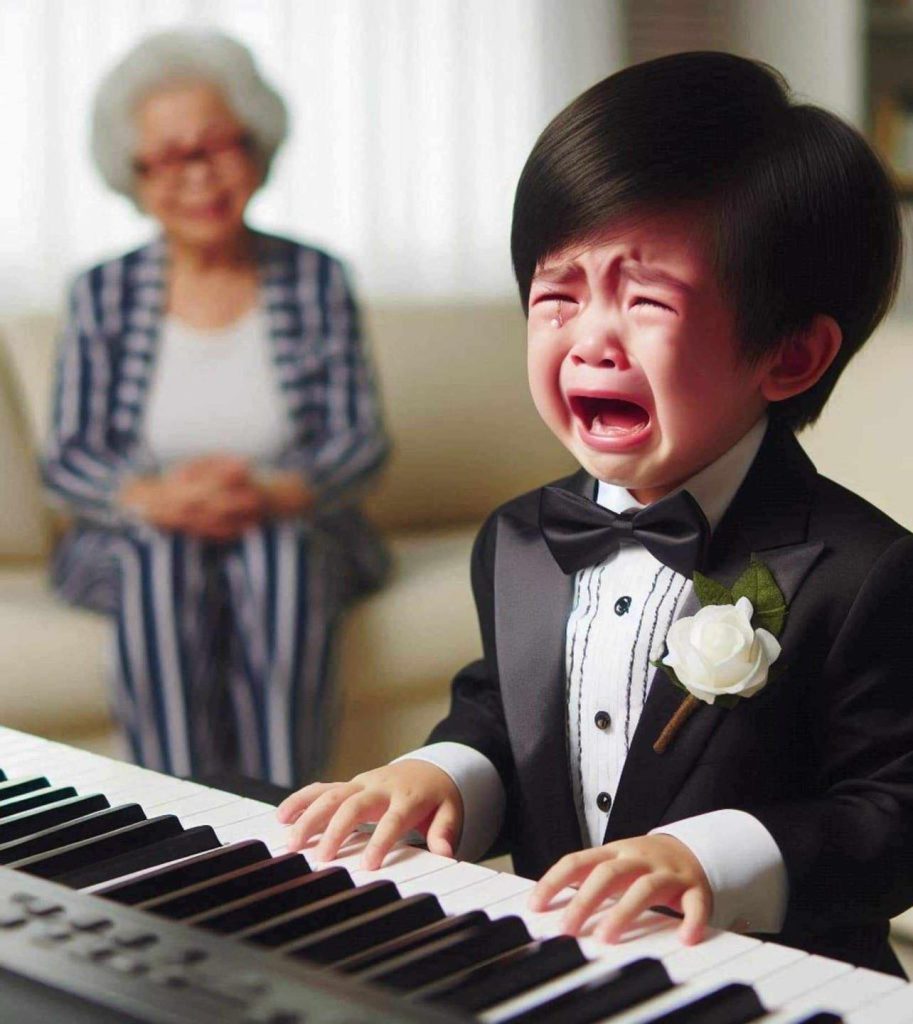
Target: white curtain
x=411 y=122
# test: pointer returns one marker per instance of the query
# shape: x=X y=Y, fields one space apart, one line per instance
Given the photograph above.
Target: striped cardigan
x=107 y=358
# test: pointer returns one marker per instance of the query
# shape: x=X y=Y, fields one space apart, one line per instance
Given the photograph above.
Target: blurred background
x=411 y=119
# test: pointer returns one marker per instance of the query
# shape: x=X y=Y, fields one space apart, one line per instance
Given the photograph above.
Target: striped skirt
x=223 y=652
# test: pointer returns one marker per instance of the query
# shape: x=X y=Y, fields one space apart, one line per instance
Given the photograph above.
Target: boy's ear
x=802 y=359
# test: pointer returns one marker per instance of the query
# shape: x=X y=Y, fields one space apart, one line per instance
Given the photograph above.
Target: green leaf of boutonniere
x=710 y=591
x=669 y=671
x=767 y=600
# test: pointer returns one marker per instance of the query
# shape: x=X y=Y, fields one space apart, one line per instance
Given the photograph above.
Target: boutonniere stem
x=685 y=710
x=723 y=654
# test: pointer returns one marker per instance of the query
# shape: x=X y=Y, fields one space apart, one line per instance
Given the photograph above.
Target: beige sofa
x=465 y=436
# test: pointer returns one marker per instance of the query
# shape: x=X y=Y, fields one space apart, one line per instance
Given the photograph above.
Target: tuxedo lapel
x=532 y=603
x=768 y=517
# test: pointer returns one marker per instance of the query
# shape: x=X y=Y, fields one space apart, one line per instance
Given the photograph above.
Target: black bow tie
x=579 y=532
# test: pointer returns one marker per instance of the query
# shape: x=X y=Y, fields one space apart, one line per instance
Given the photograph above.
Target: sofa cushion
x=53 y=659
x=407 y=640
x=465 y=432
x=24 y=522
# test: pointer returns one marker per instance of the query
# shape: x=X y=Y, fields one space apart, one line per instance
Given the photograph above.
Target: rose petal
x=744 y=607
x=770 y=643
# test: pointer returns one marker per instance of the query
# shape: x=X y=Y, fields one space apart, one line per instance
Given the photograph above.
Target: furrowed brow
x=652 y=275
x=557 y=273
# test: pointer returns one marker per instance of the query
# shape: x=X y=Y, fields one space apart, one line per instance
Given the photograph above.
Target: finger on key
x=570 y=870
x=606 y=879
x=445 y=826
x=696 y=906
x=654 y=889
x=293 y=806
x=358 y=809
x=392 y=826
x=315 y=819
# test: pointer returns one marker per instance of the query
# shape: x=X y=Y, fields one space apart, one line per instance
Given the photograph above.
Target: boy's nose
x=599 y=349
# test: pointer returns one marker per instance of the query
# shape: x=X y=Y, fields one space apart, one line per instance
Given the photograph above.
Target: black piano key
x=350 y=937
x=629 y=986
x=214 y=893
x=279 y=899
x=2 y=775
x=448 y=956
x=824 y=1017
x=183 y=843
x=288 y=930
x=19 y=787
x=28 y=822
x=57 y=837
x=172 y=877
x=39 y=798
x=510 y=975
x=91 y=851
x=413 y=940
x=732 y=1004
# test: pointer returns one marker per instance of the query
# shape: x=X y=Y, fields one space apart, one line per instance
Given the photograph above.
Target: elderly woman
x=215 y=420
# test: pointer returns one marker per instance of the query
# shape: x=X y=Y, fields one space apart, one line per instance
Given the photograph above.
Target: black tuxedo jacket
x=822 y=756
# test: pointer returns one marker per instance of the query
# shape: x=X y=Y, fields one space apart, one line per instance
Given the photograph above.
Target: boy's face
x=633 y=357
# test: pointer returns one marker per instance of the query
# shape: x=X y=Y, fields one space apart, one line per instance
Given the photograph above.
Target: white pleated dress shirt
x=621 y=611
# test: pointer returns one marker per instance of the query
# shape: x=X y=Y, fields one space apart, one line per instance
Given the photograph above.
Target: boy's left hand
x=646 y=871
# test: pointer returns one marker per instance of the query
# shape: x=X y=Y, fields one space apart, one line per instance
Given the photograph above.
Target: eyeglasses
x=170 y=165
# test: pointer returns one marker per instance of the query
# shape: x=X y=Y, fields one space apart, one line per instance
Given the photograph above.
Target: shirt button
x=603 y=802
x=623 y=606
x=602 y=720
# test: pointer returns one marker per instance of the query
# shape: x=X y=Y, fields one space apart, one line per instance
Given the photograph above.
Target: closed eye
x=643 y=301
x=552 y=297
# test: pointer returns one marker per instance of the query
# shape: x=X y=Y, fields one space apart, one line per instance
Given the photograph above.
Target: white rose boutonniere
x=724 y=653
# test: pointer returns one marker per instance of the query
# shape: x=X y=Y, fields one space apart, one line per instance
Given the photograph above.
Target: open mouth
x=609 y=417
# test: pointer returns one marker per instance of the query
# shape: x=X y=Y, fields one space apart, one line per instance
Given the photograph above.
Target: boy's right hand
x=400 y=797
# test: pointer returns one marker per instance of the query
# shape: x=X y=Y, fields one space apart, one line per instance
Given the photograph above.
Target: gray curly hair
x=181 y=55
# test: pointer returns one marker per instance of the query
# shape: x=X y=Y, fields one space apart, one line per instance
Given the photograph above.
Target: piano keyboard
x=146 y=898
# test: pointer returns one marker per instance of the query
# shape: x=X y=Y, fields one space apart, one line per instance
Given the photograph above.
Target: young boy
x=699 y=259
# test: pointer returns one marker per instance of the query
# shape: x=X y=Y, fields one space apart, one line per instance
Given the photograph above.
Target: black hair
x=802 y=215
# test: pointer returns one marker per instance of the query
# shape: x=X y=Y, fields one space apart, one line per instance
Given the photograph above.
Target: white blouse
x=216 y=391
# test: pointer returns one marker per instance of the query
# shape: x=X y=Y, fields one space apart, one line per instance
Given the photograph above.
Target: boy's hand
x=399 y=797
x=644 y=872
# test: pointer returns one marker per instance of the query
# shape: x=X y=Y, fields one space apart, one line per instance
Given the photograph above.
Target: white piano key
x=158 y=798
x=777 y=989
x=194 y=803
x=541 y=924
x=849 y=992
x=767 y=958
x=715 y=951
x=39 y=765
x=651 y=935
x=894 y=1008
x=226 y=813
x=401 y=864
x=446 y=880
x=405 y=864
x=483 y=894
x=263 y=827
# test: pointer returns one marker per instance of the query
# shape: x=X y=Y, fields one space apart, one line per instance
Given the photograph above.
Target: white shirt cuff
x=481 y=790
x=743 y=865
